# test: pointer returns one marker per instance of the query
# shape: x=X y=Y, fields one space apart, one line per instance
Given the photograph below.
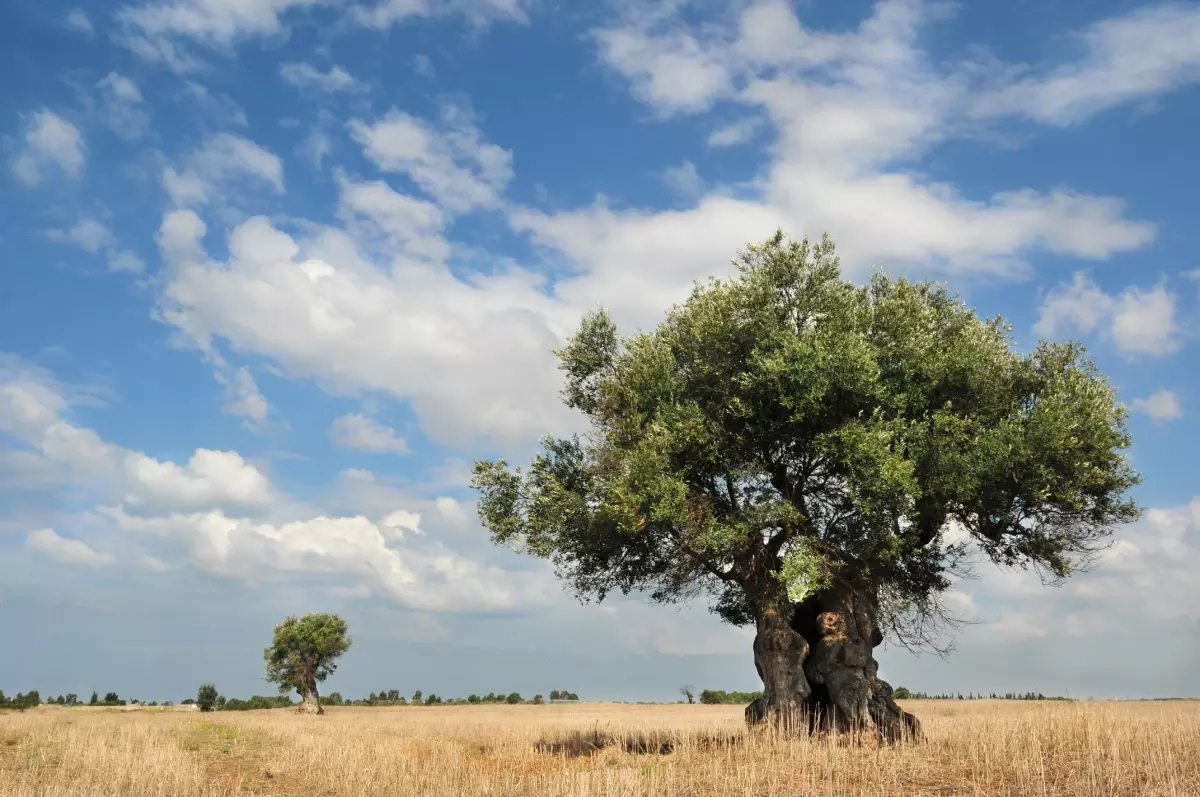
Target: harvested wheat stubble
x=598 y=750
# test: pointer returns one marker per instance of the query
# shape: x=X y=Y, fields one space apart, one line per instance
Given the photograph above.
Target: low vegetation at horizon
x=976 y=747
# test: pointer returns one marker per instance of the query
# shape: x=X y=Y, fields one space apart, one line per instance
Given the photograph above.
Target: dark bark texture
x=779 y=653
x=310 y=703
x=823 y=673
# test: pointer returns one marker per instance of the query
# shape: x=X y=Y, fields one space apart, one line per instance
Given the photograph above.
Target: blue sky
x=277 y=271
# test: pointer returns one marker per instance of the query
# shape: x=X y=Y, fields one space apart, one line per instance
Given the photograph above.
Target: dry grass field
x=1021 y=749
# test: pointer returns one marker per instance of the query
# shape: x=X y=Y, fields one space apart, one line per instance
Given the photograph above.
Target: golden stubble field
x=974 y=748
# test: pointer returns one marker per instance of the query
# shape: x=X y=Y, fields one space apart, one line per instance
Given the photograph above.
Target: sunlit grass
x=973 y=748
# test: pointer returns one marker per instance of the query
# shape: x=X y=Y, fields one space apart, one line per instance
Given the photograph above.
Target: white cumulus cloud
x=305 y=75
x=356 y=430
x=34 y=411
x=122 y=106
x=94 y=237
x=65 y=551
x=223 y=160
x=49 y=142
x=1160 y=406
x=449 y=160
x=1138 y=321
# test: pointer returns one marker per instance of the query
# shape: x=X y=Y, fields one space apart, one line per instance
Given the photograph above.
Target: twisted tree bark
x=310 y=703
x=837 y=688
x=779 y=653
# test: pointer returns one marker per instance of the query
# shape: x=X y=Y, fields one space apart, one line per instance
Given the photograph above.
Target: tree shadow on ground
x=575 y=744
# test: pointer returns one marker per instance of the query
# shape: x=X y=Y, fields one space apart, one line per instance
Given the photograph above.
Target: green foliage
x=385 y=697
x=785 y=430
x=305 y=651
x=720 y=697
x=112 y=699
x=206 y=697
x=562 y=694
x=900 y=693
x=538 y=700
x=94 y=700
x=257 y=703
x=513 y=698
x=21 y=701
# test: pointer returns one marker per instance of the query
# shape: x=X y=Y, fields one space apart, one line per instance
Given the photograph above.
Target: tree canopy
x=305 y=651
x=785 y=431
x=206 y=697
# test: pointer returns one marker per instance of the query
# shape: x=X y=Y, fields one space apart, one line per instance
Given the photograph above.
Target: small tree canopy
x=206 y=697
x=305 y=651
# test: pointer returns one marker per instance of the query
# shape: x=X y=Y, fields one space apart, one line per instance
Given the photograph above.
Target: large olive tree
x=818 y=458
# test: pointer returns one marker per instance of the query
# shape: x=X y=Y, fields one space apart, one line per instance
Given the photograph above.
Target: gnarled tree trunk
x=310 y=702
x=841 y=690
x=779 y=653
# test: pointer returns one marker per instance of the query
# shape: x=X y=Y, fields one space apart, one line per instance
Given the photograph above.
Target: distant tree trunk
x=310 y=702
x=840 y=686
x=779 y=653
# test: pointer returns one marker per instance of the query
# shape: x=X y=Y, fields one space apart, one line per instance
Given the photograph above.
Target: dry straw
x=1022 y=749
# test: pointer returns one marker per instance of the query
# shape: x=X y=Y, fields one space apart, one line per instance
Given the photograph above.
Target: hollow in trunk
x=837 y=688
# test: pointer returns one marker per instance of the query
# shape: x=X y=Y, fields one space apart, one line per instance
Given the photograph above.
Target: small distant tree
x=417 y=698
x=901 y=693
x=221 y=701
x=187 y=701
x=206 y=697
x=537 y=700
x=334 y=699
x=473 y=699
x=513 y=698
x=112 y=699
x=303 y=652
x=688 y=693
x=95 y=699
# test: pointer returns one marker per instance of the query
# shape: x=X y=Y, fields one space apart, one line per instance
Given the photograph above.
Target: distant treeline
x=20 y=702
x=218 y=702
x=34 y=698
x=718 y=696
x=392 y=697
x=900 y=693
